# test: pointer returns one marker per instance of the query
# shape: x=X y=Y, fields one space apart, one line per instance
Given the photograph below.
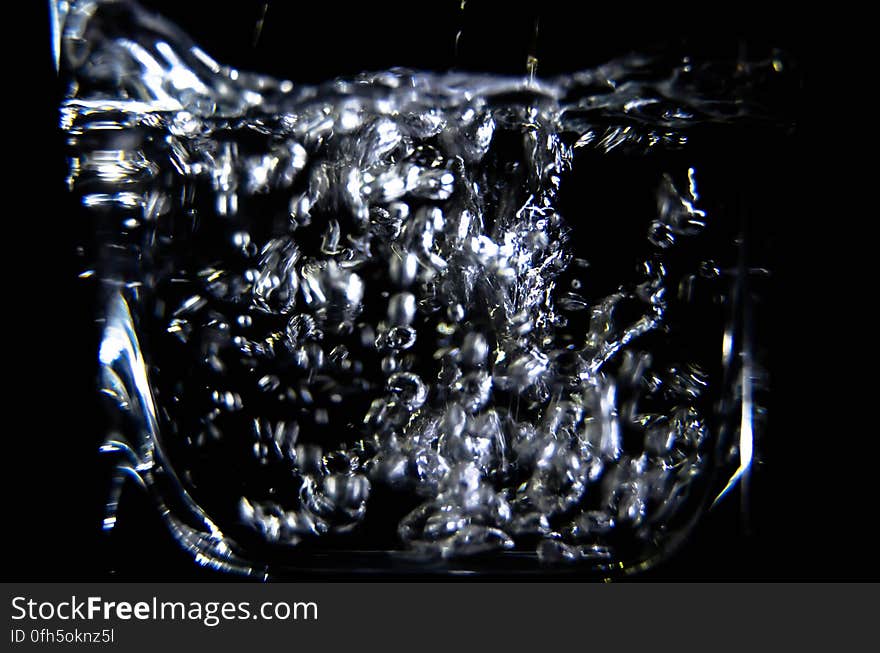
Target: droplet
x=474 y=349
x=401 y=309
x=403 y=268
x=408 y=388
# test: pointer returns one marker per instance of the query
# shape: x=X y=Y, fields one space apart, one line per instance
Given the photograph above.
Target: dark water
x=449 y=315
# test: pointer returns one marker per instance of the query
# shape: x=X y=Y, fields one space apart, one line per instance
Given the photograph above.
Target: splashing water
x=383 y=301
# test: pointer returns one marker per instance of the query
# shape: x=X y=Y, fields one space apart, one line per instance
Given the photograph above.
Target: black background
x=55 y=483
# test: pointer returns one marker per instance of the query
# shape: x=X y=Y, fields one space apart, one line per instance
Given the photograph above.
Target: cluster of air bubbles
x=371 y=284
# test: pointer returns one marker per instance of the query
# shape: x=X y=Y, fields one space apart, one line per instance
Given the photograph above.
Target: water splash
x=319 y=293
